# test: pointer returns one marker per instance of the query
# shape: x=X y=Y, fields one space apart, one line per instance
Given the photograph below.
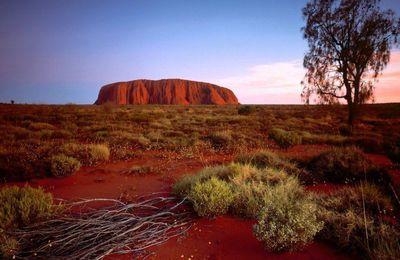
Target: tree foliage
x=349 y=45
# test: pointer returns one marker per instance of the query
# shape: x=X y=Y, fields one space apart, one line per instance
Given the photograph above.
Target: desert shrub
x=183 y=186
x=62 y=165
x=368 y=144
x=249 y=199
x=18 y=133
x=220 y=140
x=284 y=139
x=246 y=110
x=22 y=206
x=353 y=221
x=384 y=244
x=211 y=198
x=309 y=138
x=98 y=153
x=392 y=150
x=234 y=173
x=87 y=154
x=61 y=134
x=265 y=158
x=143 y=141
x=363 y=196
x=288 y=220
x=9 y=246
x=344 y=165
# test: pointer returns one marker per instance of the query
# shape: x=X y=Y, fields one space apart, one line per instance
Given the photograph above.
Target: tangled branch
x=118 y=227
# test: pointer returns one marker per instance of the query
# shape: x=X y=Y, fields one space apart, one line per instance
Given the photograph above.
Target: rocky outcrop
x=165 y=91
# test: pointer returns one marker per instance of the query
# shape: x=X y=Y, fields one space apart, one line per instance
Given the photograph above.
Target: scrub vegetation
x=268 y=181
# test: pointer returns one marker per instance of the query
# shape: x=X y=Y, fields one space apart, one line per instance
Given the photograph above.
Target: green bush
x=211 y=198
x=246 y=110
x=345 y=165
x=249 y=199
x=62 y=165
x=284 y=139
x=288 y=220
x=183 y=186
x=234 y=173
x=23 y=206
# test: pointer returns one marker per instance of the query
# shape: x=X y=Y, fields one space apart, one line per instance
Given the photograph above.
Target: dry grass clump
x=20 y=207
x=284 y=139
x=345 y=165
x=354 y=221
x=87 y=154
x=246 y=109
x=220 y=140
x=62 y=165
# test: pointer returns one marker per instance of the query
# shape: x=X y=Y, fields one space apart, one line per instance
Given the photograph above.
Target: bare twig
x=118 y=227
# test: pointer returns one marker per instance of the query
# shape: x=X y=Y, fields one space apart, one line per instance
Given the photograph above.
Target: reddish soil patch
x=222 y=238
x=380 y=160
x=303 y=152
x=384 y=161
x=232 y=238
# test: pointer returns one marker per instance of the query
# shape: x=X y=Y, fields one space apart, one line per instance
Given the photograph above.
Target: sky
x=63 y=51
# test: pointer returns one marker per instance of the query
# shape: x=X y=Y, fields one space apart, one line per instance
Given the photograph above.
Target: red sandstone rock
x=165 y=91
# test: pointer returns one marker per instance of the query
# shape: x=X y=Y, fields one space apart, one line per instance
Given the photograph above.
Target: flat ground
x=173 y=141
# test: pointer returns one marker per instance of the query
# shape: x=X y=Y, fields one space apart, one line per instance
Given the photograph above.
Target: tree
x=349 y=45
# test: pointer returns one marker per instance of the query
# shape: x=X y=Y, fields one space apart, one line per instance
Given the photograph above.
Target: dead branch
x=86 y=231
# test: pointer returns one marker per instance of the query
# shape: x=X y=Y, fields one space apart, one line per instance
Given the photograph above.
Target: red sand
x=222 y=238
x=383 y=161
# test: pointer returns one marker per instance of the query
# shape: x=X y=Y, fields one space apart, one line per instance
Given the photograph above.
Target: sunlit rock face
x=165 y=91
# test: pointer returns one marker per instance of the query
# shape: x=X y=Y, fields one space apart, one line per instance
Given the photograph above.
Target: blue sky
x=65 y=50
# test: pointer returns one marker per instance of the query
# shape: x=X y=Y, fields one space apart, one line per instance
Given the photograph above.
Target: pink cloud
x=279 y=83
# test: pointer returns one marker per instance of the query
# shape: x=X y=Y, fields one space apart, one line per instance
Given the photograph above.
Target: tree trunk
x=352 y=116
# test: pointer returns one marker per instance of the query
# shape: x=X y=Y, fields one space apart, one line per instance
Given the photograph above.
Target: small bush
x=249 y=199
x=183 y=186
x=246 y=110
x=87 y=154
x=284 y=139
x=62 y=165
x=352 y=214
x=98 y=153
x=288 y=220
x=23 y=206
x=220 y=140
x=344 y=165
x=211 y=198
x=9 y=246
x=234 y=173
